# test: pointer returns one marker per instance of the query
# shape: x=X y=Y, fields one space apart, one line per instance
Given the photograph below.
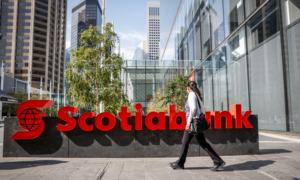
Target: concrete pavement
x=279 y=159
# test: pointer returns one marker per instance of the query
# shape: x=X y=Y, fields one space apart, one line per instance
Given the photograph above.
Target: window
x=21 y=71
x=235 y=43
x=39 y=52
x=5 y=37
x=43 y=1
x=23 y=17
x=5 y=43
x=6 y=17
x=263 y=24
x=22 y=37
x=23 y=30
x=41 y=13
x=21 y=57
x=294 y=9
x=5 y=30
x=21 y=65
x=39 y=59
x=41 y=19
x=40 y=26
x=38 y=65
x=40 y=39
x=23 y=23
x=23 y=78
x=40 y=32
x=23 y=51
x=39 y=45
x=39 y=73
x=250 y=6
x=24 y=4
x=5 y=57
x=24 y=10
x=7 y=10
x=7 y=4
x=22 y=43
x=6 y=23
x=38 y=79
x=5 y=50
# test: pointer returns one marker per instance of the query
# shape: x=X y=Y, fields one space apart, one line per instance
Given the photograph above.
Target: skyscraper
x=140 y=52
x=84 y=14
x=68 y=59
x=153 y=29
x=32 y=39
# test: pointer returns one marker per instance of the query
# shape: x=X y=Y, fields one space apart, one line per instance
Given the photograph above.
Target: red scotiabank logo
x=31 y=119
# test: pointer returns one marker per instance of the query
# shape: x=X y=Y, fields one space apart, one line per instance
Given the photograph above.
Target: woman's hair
x=194 y=88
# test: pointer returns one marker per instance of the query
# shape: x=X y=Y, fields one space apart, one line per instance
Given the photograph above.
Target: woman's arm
x=192 y=103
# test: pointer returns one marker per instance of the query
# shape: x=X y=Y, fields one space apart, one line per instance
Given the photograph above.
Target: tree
x=175 y=92
x=157 y=105
x=93 y=72
x=35 y=95
x=11 y=109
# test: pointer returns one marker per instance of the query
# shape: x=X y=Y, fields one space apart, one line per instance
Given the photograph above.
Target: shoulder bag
x=199 y=125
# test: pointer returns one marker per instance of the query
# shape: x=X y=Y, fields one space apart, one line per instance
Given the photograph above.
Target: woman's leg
x=187 y=137
x=213 y=155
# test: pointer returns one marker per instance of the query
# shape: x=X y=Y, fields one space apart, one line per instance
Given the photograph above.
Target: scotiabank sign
x=31 y=119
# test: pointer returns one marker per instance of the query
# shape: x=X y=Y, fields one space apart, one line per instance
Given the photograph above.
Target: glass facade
x=144 y=78
x=84 y=14
x=241 y=52
x=68 y=59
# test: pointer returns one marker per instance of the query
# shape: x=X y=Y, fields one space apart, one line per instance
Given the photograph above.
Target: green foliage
x=11 y=109
x=176 y=92
x=91 y=68
x=52 y=111
x=157 y=105
x=35 y=95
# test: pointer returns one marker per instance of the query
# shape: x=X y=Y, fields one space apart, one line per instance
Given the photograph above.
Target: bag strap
x=198 y=103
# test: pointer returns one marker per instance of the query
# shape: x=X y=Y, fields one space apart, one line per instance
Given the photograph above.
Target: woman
x=193 y=110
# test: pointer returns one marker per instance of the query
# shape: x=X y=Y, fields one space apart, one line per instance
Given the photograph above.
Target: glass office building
x=247 y=52
x=84 y=14
x=143 y=78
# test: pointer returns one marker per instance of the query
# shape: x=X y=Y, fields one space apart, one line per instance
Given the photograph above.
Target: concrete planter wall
x=118 y=143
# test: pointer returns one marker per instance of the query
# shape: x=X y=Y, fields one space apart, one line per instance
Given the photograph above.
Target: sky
x=130 y=17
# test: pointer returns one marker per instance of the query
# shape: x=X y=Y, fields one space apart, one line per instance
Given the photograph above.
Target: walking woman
x=193 y=110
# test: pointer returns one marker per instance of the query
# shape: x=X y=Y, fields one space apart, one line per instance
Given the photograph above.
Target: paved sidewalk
x=279 y=159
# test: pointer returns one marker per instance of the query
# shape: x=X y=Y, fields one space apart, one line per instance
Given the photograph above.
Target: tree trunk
x=97 y=87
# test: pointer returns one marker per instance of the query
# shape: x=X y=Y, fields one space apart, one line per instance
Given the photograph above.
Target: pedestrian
x=193 y=110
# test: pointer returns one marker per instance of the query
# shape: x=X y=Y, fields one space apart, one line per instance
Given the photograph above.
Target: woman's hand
x=187 y=127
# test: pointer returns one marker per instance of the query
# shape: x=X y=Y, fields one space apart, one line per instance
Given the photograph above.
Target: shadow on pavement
x=196 y=168
x=249 y=165
x=27 y=164
x=273 y=151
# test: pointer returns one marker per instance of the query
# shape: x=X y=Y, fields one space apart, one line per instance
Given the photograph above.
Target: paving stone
x=278 y=161
x=208 y=175
x=9 y=176
x=155 y=168
x=255 y=175
x=226 y=175
x=295 y=173
x=181 y=174
x=26 y=176
x=113 y=172
x=280 y=175
x=132 y=174
x=157 y=176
